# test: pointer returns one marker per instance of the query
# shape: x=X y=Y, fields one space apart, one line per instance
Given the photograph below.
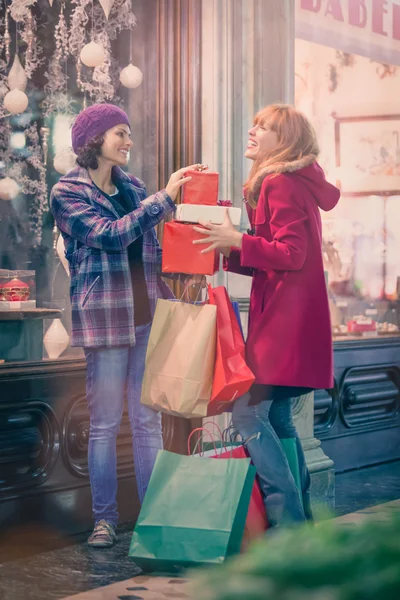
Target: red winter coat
x=289 y=341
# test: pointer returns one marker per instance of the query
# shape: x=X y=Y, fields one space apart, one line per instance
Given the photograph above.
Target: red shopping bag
x=201 y=189
x=232 y=376
x=180 y=255
x=256 y=521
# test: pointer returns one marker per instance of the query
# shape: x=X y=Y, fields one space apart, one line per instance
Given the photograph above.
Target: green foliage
x=326 y=562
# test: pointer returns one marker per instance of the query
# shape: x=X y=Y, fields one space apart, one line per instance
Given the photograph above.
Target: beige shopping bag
x=180 y=359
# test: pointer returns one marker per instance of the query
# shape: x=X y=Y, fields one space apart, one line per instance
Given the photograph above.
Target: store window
x=347 y=81
x=43 y=85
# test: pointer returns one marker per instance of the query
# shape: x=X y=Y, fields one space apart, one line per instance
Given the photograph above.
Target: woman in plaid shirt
x=107 y=222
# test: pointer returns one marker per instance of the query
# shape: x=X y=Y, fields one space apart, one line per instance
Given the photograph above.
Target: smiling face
x=116 y=146
x=262 y=141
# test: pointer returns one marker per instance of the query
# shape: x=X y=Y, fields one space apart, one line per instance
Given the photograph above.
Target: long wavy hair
x=297 y=146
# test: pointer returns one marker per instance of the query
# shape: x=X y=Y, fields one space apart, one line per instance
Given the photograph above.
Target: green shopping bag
x=193 y=513
x=290 y=449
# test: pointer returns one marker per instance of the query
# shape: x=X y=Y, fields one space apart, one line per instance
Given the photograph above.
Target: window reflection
x=351 y=101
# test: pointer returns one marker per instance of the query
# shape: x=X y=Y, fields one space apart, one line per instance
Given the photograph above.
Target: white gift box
x=17 y=304
x=194 y=213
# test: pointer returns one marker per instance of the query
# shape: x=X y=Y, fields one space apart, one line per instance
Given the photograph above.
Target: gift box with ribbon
x=201 y=189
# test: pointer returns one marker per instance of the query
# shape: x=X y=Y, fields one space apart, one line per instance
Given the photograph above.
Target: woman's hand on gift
x=178 y=179
x=225 y=251
x=220 y=237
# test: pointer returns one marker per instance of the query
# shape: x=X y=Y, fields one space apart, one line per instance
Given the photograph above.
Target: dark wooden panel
x=326 y=405
x=365 y=429
x=44 y=427
x=370 y=395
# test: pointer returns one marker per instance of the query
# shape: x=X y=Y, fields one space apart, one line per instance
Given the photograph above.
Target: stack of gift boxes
x=199 y=204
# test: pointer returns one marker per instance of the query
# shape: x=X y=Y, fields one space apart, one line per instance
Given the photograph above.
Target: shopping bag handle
x=204 y=429
x=190 y=453
x=230 y=433
x=186 y=289
x=217 y=427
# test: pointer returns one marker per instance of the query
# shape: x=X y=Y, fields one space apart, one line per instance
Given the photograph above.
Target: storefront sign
x=366 y=27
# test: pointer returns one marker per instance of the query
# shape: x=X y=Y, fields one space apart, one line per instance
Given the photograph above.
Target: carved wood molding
x=178 y=85
x=178 y=138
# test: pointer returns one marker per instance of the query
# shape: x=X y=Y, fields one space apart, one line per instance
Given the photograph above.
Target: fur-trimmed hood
x=311 y=175
x=289 y=167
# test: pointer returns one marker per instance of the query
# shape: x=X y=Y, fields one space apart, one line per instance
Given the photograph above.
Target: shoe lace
x=103 y=528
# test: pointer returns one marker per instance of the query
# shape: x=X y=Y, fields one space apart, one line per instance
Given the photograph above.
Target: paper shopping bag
x=256 y=518
x=290 y=449
x=180 y=255
x=180 y=359
x=193 y=513
x=201 y=189
x=232 y=376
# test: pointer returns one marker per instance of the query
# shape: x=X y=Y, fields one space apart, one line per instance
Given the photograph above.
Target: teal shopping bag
x=193 y=513
x=290 y=449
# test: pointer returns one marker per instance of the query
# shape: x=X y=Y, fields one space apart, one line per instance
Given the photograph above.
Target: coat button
x=155 y=209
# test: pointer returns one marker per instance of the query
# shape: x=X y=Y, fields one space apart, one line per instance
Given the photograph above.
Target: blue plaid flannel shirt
x=96 y=241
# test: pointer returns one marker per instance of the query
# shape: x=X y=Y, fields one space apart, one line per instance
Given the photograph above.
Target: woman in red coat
x=289 y=344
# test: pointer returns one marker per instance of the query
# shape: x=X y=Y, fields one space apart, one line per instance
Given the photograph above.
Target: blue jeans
x=110 y=373
x=261 y=427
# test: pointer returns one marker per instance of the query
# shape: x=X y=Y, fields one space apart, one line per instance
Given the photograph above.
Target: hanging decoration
x=92 y=55
x=89 y=17
x=106 y=5
x=7 y=36
x=78 y=27
x=56 y=339
x=37 y=187
x=21 y=13
x=57 y=99
x=131 y=76
x=17 y=78
x=29 y=38
x=64 y=161
x=16 y=102
x=9 y=189
x=45 y=132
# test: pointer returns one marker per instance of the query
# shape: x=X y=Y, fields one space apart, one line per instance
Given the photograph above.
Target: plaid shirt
x=96 y=241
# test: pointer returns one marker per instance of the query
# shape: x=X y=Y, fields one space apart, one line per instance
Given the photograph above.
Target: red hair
x=296 y=140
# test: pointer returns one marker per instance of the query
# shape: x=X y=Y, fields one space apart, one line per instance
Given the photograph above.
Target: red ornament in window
x=14 y=291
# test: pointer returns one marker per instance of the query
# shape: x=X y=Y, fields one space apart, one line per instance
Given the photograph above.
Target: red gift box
x=202 y=189
x=180 y=255
x=361 y=325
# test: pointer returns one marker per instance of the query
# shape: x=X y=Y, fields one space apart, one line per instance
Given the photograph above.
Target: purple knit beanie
x=95 y=120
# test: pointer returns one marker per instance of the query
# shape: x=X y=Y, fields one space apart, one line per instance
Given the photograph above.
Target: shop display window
x=352 y=101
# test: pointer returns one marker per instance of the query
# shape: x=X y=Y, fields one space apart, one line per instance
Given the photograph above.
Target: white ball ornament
x=64 y=161
x=9 y=188
x=92 y=55
x=131 y=76
x=16 y=102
